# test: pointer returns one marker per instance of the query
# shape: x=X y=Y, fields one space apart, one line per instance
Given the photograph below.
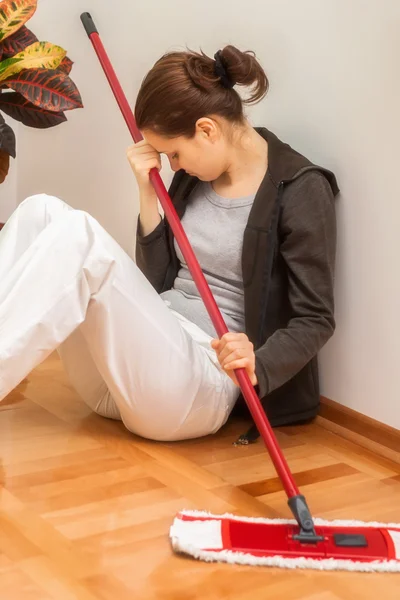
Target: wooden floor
x=86 y=506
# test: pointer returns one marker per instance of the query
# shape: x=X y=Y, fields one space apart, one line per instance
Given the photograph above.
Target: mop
x=302 y=542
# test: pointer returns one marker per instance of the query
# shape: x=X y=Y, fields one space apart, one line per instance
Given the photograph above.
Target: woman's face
x=205 y=155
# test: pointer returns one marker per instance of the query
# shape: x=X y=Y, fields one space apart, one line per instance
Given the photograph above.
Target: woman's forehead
x=162 y=144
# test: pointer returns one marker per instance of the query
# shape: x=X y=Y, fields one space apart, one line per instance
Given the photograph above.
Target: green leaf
x=13 y=14
x=9 y=62
x=39 y=55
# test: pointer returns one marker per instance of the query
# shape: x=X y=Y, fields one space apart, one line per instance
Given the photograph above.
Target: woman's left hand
x=235 y=351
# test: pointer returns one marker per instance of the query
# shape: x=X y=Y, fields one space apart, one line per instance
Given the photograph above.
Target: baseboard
x=364 y=431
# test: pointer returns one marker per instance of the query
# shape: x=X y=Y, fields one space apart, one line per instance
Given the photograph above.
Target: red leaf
x=17 y=42
x=7 y=138
x=4 y=165
x=66 y=65
x=48 y=88
x=17 y=107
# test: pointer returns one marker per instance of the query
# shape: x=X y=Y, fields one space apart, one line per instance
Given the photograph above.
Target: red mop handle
x=248 y=391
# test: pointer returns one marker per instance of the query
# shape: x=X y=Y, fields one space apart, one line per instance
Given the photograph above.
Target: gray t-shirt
x=215 y=227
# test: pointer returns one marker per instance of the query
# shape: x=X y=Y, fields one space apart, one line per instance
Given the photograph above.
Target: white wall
x=335 y=93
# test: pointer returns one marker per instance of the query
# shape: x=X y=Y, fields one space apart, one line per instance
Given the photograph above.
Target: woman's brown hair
x=185 y=86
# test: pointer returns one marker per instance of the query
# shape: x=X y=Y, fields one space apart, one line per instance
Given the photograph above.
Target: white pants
x=66 y=284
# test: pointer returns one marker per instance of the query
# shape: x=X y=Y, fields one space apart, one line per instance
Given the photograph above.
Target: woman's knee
x=41 y=207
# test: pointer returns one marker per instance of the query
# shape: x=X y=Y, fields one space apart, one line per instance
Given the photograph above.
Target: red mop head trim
x=269 y=542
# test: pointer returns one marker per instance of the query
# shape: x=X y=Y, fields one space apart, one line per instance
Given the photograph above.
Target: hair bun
x=244 y=69
x=221 y=70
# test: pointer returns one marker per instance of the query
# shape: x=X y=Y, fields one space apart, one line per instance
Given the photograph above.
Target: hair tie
x=220 y=71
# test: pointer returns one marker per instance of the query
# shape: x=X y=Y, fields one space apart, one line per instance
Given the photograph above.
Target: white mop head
x=243 y=540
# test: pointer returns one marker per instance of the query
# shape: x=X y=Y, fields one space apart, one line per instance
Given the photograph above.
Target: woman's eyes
x=175 y=155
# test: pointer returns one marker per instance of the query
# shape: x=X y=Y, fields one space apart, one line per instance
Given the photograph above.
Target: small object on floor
x=250 y=437
x=344 y=545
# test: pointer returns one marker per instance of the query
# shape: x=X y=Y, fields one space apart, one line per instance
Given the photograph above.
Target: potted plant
x=35 y=87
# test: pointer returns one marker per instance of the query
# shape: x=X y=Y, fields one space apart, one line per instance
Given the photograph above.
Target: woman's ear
x=208 y=128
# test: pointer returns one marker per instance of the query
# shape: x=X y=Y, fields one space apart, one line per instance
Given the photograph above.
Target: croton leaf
x=39 y=55
x=7 y=139
x=66 y=65
x=17 y=42
x=4 y=165
x=13 y=14
x=51 y=89
x=20 y=109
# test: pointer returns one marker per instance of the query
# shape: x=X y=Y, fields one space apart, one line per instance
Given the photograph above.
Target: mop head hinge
x=301 y=512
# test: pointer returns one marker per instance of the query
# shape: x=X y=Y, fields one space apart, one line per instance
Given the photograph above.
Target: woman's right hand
x=142 y=158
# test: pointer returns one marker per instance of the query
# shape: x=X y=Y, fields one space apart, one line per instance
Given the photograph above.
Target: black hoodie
x=288 y=262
